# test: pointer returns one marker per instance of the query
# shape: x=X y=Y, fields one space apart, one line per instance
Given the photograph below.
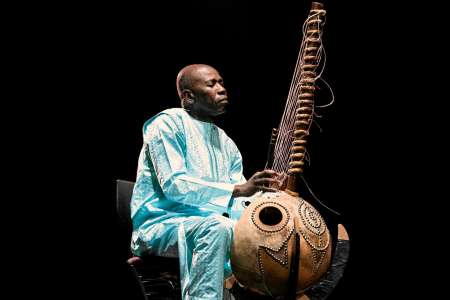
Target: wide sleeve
x=236 y=171
x=166 y=148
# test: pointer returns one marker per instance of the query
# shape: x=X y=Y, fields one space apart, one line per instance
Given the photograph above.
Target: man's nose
x=221 y=90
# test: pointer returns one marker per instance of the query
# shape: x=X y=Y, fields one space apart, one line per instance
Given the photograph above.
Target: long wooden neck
x=305 y=102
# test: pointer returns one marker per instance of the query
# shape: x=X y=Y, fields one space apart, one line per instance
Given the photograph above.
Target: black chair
x=158 y=276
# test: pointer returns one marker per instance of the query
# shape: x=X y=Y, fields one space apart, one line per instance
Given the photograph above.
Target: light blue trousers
x=203 y=244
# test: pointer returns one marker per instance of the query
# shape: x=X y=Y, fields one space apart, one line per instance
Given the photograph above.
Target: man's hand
x=281 y=182
x=267 y=181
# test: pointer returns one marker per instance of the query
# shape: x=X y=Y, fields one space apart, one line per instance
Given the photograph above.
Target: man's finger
x=257 y=174
x=265 y=180
x=269 y=173
x=267 y=189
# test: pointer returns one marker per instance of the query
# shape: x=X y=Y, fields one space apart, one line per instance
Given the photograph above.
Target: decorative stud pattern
x=270 y=228
x=275 y=253
x=318 y=258
x=311 y=218
x=315 y=232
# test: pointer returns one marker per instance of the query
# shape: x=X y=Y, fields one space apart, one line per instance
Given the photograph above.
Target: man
x=185 y=201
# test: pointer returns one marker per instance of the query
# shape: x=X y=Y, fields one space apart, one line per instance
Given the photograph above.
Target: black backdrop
x=254 y=46
x=101 y=70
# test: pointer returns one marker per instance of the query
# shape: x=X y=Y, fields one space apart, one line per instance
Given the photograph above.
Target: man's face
x=210 y=95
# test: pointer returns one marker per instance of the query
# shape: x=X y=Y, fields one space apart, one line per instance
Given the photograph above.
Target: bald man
x=190 y=188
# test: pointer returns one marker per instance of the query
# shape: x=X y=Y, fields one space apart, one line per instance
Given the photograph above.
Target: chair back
x=124 y=191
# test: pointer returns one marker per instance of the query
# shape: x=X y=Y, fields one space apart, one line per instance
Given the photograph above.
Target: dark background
x=254 y=46
x=98 y=72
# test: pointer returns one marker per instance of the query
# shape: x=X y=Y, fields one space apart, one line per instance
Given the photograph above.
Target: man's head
x=201 y=90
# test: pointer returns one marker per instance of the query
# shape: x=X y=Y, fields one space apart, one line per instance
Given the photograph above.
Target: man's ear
x=187 y=97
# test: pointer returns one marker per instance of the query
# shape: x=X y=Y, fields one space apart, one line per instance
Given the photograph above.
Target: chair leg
x=158 y=280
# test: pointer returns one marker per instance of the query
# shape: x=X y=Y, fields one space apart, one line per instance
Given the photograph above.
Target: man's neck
x=201 y=117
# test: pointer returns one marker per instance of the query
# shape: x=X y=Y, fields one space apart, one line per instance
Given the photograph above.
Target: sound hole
x=270 y=216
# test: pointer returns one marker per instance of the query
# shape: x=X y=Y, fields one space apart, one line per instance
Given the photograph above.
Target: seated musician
x=185 y=201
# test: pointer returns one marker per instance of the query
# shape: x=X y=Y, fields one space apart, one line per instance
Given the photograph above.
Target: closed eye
x=213 y=82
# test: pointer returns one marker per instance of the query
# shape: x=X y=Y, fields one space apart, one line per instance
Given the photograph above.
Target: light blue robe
x=186 y=174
